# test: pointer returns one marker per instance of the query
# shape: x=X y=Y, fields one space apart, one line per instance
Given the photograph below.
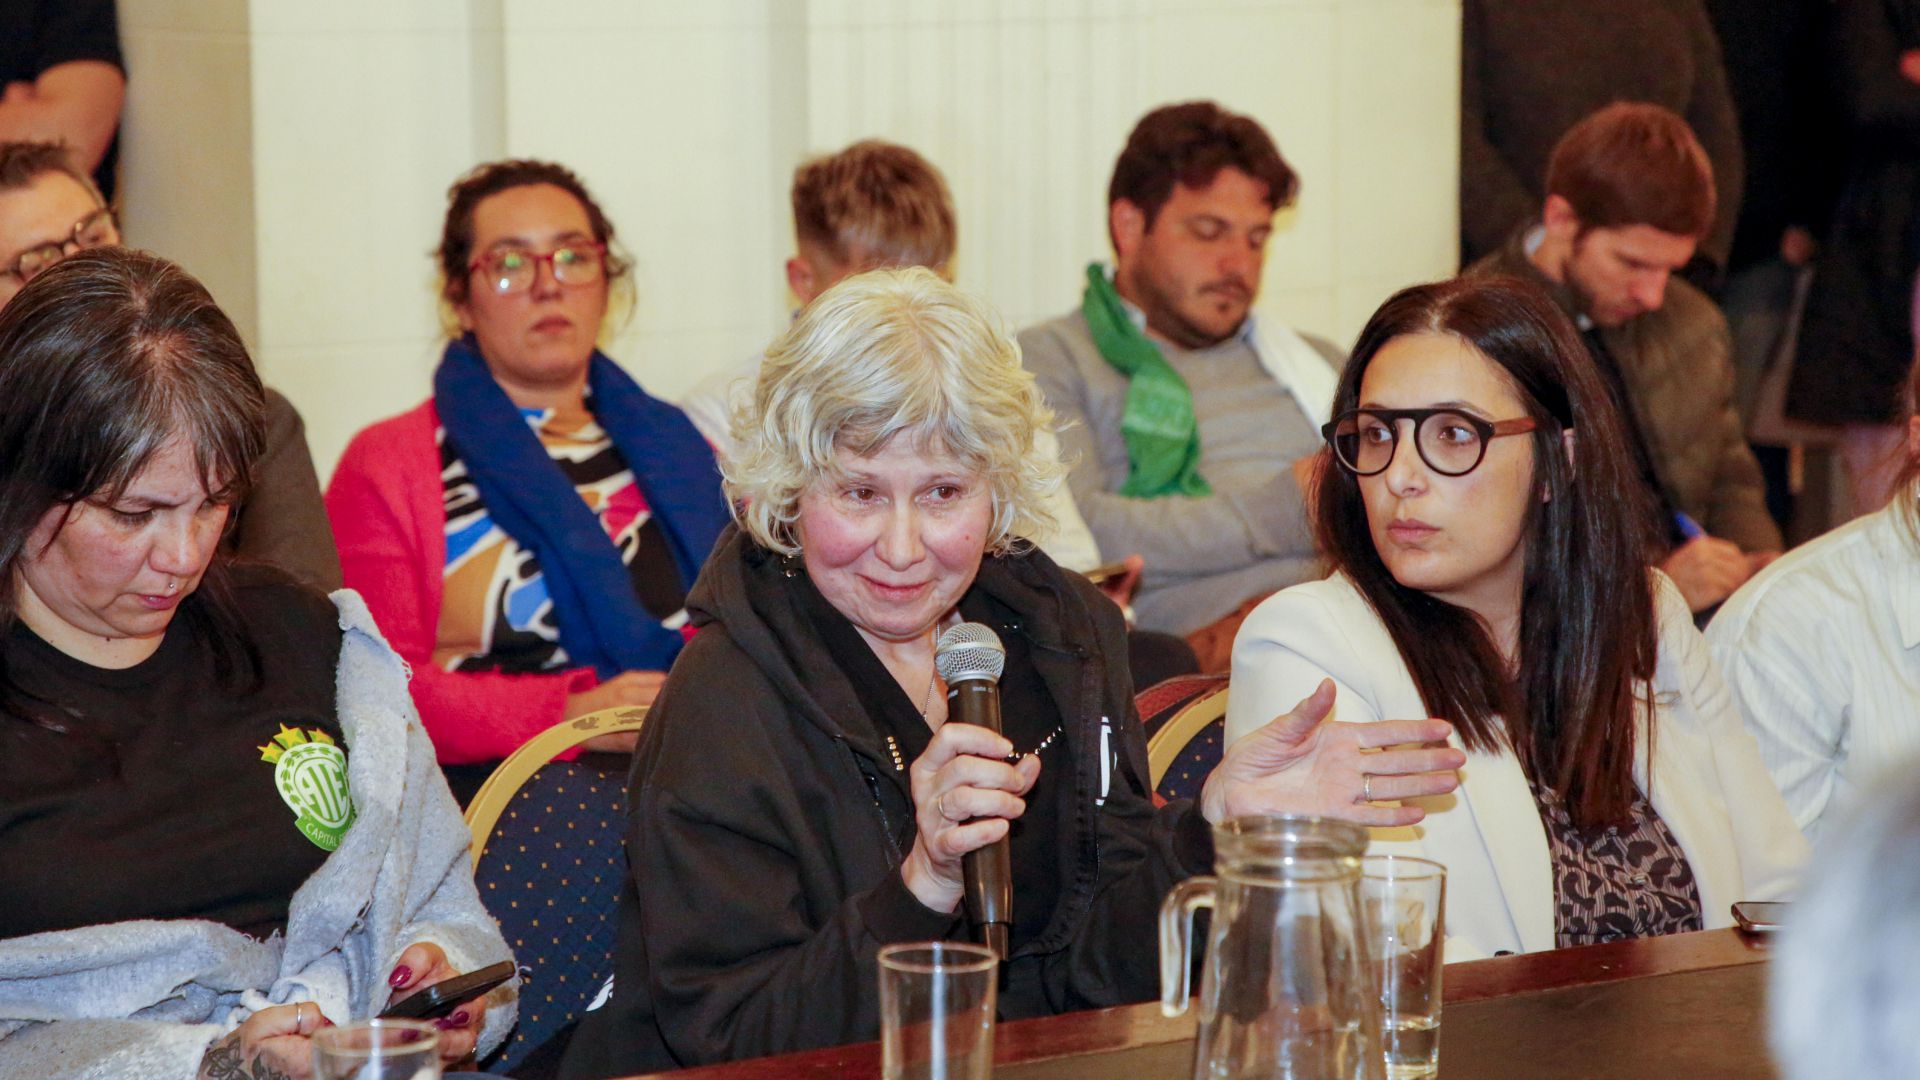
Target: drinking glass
x=377 y=1050
x=1405 y=899
x=936 y=1011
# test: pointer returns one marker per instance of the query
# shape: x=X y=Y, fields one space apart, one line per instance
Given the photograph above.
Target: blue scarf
x=602 y=624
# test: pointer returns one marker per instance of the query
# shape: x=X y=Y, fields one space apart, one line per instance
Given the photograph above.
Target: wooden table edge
x=1476 y=980
x=1128 y=1027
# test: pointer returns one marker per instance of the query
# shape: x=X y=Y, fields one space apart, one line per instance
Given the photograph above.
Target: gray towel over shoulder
x=145 y=998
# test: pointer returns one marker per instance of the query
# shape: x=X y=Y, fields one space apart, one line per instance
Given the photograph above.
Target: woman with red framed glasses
x=1477 y=505
x=526 y=537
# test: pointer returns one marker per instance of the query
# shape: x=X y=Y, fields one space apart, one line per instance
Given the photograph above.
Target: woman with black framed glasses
x=526 y=537
x=1500 y=582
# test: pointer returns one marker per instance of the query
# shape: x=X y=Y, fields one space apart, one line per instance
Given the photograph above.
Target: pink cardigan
x=390 y=520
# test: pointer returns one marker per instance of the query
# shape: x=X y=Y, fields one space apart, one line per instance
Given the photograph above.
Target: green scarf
x=1163 y=438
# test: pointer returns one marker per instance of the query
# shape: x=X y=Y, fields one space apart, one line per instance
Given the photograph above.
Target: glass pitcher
x=1285 y=993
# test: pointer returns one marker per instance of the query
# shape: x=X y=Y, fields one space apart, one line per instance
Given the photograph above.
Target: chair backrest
x=550 y=862
x=1185 y=720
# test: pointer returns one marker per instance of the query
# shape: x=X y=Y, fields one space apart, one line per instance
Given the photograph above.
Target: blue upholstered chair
x=1185 y=718
x=550 y=861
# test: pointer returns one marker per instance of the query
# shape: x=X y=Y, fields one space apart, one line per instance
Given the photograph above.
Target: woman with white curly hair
x=799 y=800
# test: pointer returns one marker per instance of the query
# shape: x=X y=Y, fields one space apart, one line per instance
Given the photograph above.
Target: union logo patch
x=310 y=772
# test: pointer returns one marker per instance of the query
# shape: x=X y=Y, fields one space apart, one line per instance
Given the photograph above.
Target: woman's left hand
x=420 y=966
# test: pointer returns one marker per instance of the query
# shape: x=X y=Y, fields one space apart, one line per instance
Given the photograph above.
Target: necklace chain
x=900 y=764
x=926 y=706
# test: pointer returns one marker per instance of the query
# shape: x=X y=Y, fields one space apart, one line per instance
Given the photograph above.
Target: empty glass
x=1405 y=899
x=1284 y=993
x=936 y=1011
x=377 y=1050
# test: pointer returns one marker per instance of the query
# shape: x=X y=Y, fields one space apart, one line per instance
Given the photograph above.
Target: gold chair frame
x=483 y=813
x=1164 y=748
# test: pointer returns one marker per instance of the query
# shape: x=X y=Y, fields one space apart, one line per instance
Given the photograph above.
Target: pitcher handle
x=1176 y=940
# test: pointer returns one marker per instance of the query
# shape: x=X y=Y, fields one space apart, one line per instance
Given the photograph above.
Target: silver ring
x=300 y=1015
x=940 y=804
x=1366 y=787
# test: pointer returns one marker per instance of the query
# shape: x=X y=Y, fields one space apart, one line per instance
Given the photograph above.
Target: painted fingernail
x=401 y=976
x=460 y=1018
x=445 y=1023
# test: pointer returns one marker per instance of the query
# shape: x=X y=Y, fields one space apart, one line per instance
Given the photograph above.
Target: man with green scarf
x=1186 y=426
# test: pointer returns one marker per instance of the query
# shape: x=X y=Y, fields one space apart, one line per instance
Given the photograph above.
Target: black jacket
x=1856 y=344
x=769 y=823
x=1775 y=53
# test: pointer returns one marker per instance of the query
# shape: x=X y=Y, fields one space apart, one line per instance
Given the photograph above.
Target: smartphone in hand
x=440 y=999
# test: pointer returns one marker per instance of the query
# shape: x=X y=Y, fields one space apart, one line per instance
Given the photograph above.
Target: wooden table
x=1689 y=1006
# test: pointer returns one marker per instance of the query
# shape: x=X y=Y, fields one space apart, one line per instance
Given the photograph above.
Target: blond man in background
x=873 y=205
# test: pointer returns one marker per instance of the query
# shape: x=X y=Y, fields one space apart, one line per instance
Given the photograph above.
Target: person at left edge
x=799 y=799
x=64 y=79
x=221 y=827
x=50 y=209
x=526 y=537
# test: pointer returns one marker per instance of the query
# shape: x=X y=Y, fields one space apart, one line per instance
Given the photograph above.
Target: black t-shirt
x=39 y=34
x=157 y=803
x=1029 y=718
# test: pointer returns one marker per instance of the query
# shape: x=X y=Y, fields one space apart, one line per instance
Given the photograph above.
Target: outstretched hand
x=1303 y=763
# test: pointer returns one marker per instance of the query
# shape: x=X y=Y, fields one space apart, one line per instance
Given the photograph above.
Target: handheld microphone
x=970 y=659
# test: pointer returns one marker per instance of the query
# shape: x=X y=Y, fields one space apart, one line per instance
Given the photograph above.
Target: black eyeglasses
x=92 y=231
x=1451 y=442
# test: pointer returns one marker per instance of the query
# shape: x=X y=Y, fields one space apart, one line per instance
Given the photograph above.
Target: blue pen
x=1689 y=528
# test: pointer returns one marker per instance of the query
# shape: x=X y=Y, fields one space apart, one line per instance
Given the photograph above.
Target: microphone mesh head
x=969 y=651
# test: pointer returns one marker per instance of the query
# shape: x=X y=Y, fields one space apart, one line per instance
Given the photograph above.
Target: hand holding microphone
x=966 y=793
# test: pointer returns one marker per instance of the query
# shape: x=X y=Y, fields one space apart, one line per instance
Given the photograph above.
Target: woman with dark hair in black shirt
x=221 y=826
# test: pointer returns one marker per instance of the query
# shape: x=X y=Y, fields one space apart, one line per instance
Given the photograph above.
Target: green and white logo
x=310 y=772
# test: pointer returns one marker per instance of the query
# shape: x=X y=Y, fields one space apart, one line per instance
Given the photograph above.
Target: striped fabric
x=1822 y=653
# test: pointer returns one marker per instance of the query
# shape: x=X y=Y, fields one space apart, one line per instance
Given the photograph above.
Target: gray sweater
x=1205 y=555
x=144 y=999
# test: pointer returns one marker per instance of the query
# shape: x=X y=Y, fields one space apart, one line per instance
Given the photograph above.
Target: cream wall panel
x=666 y=112
x=363 y=115
x=1025 y=106
x=227 y=17
x=1396 y=176
x=186 y=149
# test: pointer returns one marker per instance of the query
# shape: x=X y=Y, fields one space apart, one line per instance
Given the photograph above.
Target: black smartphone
x=442 y=998
x=1760 y=916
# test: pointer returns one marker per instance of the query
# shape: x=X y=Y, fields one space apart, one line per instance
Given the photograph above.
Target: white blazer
x=1708 y=785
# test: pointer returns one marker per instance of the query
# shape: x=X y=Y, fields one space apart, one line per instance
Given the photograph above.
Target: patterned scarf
x=601 y=621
